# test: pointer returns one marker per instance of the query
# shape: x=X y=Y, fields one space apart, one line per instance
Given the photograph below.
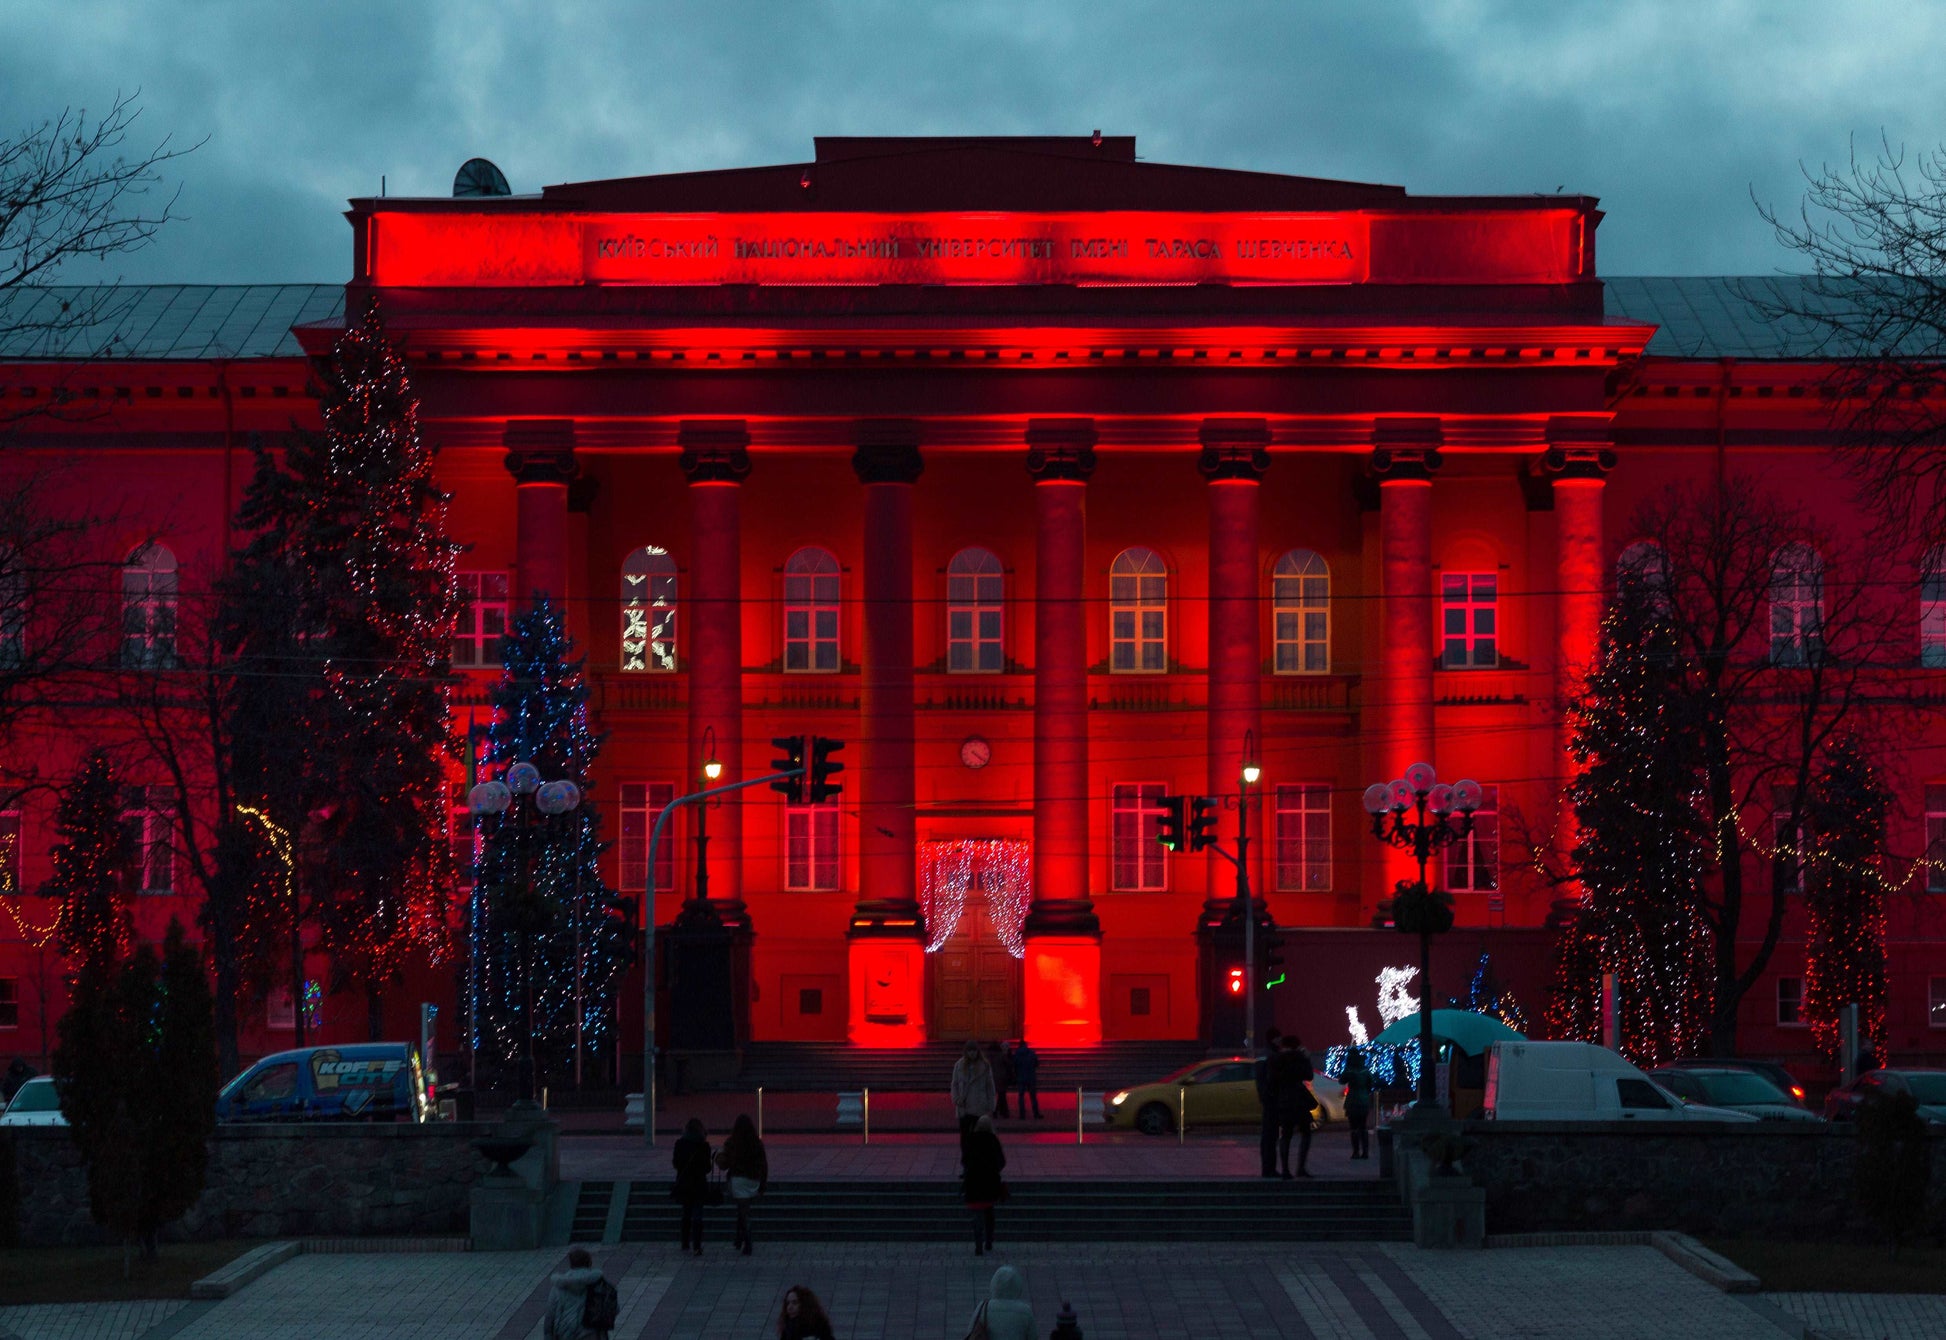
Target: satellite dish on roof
x=476 y=176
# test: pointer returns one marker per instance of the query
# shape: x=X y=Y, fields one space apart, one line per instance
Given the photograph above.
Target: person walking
x=1027 y=1071
x=982 y=1186
x=1358 y=1102
x=802 y=1317
x=567 y=1299
x=1267 y=1109
x=1290 y=1076
x=1002 y=1062
x=742 y=1158
x=973 y=1095
x=1005 y=1314
x=692 y=1161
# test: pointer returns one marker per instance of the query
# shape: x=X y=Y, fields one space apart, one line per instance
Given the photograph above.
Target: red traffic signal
x=1236 y=981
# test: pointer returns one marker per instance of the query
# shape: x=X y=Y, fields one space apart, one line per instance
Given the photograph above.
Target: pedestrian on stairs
x=982 y=1186
x=742 y=1157
x=973 y=1094
x=691 y=1158
x=1003 y=1076
x=1027 y=1071
x=1290 y=1075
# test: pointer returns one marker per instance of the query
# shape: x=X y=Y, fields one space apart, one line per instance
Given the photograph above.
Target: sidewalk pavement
x=898 y=1290
x=815 y=1113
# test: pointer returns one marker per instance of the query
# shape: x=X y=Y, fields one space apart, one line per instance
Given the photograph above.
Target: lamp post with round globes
x=1439 y=814
x=524 y=912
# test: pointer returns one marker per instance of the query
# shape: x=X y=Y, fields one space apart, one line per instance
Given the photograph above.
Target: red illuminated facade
x=1051 y=482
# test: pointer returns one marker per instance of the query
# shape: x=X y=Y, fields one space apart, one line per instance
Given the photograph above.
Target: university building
x=1051 y=482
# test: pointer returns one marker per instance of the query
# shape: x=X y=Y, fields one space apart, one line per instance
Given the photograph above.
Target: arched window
x=1300 y=606
x=649 y=610
x=1932 y=608
x=974 y=590
x=811 y=611
x=1138 y=613
x=149 y=608
x=1796 y=605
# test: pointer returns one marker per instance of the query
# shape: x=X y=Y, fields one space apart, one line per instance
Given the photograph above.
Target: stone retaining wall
x=273 y=1181
x=1773 y=1179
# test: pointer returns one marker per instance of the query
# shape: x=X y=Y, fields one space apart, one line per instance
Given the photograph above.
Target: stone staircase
x=822 y=1067
x=1324 y=1210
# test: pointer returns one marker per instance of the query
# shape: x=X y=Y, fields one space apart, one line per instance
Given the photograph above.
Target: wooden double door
x=975 y=981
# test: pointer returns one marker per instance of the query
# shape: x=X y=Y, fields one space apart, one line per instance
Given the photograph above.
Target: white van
x=1578 y=1081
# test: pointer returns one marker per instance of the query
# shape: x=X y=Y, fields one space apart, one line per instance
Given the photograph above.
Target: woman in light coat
x=1006 y=1311
x=567 y=1298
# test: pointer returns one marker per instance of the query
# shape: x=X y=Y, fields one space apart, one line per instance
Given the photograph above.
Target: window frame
x=1312 y=800
x=1145 y=605
x=981 y=605
x=1460 y=649
x=1135 y=814
x=820 y=868
x=1467 y=849
x=153 y=835
x=12 y=860
x=1935 y=820
x=1796 y=606
x=1301 y=608
x=1932 y=609
x=1791 y=1000
x=637 y=808
x=151 y=587
x=650 y=612
x=476 y=611
x=9 y=1004
x=816 y=610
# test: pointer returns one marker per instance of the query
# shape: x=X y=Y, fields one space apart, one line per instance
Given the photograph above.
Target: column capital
x=1061 y=450
x=887 y=452
x=1234 y=449
x=714 y=451
x=1405 y=448
x=539 y=451
x=1578 y=448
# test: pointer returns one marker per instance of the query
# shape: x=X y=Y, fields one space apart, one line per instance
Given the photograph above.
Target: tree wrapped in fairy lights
x=1642 y=842
x=94 y=861
x=543 y=924
x=1844 y=896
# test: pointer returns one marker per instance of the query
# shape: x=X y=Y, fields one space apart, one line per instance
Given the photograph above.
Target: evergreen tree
x=1642 y=841
x=1845 y=960
x=542 y=917
x=93 y=861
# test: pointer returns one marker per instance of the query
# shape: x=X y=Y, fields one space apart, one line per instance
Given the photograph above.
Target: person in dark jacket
x=17 y=1074
x=1267 y=1121
x=1027 y=1071
x=1002 y=1062
x=983 y=1187
x=742 y=1158
x=802 y=1317
x=692 y=1161
x=1290 y=1076
x=1358 y=1102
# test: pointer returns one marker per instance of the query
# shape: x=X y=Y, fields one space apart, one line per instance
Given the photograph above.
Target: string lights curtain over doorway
x=999 y=867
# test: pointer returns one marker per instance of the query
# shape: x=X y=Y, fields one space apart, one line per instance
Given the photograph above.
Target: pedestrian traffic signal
x=1169 y=824
x=1273 y=968
x=791 y=787
x=1202 y=822
x=822 y=788
x=1236 y=981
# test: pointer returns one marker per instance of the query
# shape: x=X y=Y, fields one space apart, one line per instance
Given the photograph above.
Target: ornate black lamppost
x=1419 y=813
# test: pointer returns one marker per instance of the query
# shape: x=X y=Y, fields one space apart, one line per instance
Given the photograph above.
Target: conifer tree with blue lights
x=1844 y=962
x=1642 y=840
x=539 y=902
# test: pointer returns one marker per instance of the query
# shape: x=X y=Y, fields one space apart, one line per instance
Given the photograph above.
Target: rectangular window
x=1139 y=863
x=1787 y=856
x=148 y=817
x=1936 y=837
x=9 y=851
x=811 y=848
x=1473 y=862
x=1303 y=838
x=482 y=618
x=9 y=1002
x=1470 y=619
x=1936 y=1001
x=1790 y=1003
x=641 y=803
x=973 y=618
x=1932 y=613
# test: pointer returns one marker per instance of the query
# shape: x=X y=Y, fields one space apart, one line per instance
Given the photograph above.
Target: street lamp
x=712 y=769
x=1440 y=814
x=524 y=912
x=1247 y=777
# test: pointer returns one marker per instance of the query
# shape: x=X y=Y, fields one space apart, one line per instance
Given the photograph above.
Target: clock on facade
x=975 y=752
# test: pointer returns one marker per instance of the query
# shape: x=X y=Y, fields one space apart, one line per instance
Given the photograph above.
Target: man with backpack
x=581 y=1301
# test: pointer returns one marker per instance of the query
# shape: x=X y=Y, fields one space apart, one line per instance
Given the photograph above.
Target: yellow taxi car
x=1221 y=1091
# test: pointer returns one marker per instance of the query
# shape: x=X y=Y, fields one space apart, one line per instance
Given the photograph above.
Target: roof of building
x=1709 y=316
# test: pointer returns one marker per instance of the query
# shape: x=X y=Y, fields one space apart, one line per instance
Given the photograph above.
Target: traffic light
x=1169 y=824
x=1236 y=981
x=1274 y=967
x=791 y=788
x=822 y=788
x=1202 y=822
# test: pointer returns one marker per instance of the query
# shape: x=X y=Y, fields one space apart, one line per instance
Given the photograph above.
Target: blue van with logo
x=363 y=1081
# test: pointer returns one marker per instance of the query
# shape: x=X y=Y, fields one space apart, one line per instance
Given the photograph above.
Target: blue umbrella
x=1467 y=1031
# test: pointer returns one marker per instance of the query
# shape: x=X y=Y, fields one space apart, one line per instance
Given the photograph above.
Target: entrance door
x=975 y=981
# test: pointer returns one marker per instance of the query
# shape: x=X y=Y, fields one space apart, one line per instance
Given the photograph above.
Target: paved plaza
x=906 y=1290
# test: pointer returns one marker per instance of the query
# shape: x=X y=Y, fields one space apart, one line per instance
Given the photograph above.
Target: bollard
x=1182 y=1114
x=760 y=1111
x=543 y=1098
x=1066 y=1326
x=868 y=1116
x=1077 y=1114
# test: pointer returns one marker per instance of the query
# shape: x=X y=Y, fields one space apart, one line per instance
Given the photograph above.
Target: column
x=1234 y=457
x=715 y=460
x=1404 y=459
x=540 y=457
x=1062 y=972
x=1577 y=460
x=887 y=938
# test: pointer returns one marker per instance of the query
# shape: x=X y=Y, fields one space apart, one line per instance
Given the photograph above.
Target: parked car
x=1221 y=1091
x=371 y=1081
x=1927 y=1086
x=1774 y=1071
x=1736 y=1089
x=35 y=1103
x=1578 y=1081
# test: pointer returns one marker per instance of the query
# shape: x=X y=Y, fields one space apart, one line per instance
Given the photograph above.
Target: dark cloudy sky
x=1672 y=113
